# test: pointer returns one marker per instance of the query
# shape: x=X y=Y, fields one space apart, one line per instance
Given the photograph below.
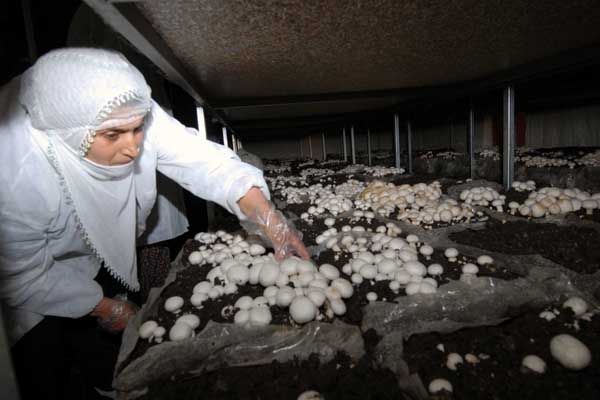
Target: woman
x=80 y=143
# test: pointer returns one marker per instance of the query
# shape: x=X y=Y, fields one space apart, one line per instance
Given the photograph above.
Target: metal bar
x=471 y=141
x=397 y=139
x=409 y=146
x=234 y=143
x=508 y=126
x=369 y=145
x=352 y=146
x=301 y=152
x=344 y=144
x=324 y=146
x=225 y=139
x=126 y=19
x=200 y=122
x=310 y=147
x=29 y=32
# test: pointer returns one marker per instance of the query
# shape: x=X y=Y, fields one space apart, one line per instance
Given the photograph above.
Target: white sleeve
x=207 y=169
x=31 y=279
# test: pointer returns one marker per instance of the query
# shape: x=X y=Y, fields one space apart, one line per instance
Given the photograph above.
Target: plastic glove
x=285 y=239
x=266 y=221
x=113 y=314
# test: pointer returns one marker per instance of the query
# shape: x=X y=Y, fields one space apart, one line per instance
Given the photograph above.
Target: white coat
x=46 y=268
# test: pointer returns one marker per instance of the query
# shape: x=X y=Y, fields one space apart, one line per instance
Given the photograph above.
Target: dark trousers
x=66 y=358
x=63 y=358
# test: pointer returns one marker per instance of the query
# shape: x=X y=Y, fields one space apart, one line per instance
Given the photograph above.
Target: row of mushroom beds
x=319 y=292
x=312 y=292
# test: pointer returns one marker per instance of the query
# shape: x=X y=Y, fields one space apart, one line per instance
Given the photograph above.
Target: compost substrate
x=573 y=247
x=500 y=377
x=340 y=378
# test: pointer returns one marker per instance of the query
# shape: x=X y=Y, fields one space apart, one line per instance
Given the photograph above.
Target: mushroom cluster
x=312 y=289
x=379 y=171
x=543 y=162
x=523 y=186
x=444 y=155
x=352 y=169
x=316 y=172
x=590 y=159
x=552 y=201
x=558 y=159
x=483 y=196
x=281 y=182
x=349 y=189
x=277 y=169
x=418 y=204
x=489 y=153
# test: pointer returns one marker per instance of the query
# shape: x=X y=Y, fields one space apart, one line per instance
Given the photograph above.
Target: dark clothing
x=65 y=358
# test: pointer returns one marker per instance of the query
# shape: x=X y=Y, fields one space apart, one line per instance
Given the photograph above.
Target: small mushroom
x=426 y=251
x=437 y=385
x=174 y=304
x=451 y=253
x=534 y=363
x=589 y=206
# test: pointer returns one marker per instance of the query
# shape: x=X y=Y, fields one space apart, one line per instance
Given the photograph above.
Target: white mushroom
x=453 y=360
x=451 y=253
x=302 y=310
x=589 y=206
x=192 y=320
x=256 y=250
x=146 y=330
x=484 y=260
x=435 y=269
x=174 y=304
x=437 y=385
x=570 y=352
x=426 y=250
x=534 y=363
x=470 y=269
x=195 y=258
x=259 y=316
x=577 y=304
x=310 y=395
x=180 y=331
x=241 y=317
x=244 y=303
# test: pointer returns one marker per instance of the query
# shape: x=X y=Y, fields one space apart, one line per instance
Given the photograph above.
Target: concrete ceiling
x=292 y=58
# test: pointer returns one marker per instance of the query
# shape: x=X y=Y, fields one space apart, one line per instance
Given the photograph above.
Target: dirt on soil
x=340 y=378
x=500 y=376
x=575 y=248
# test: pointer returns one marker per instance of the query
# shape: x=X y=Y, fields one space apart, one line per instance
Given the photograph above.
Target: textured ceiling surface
x=247 y=49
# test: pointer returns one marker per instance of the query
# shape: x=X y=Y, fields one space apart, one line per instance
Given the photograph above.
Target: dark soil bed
x=575 y=248
x=500 y=377
x=340 y=378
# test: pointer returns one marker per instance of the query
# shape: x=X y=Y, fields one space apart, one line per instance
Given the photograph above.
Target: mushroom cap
x=589 y=204
x=484 y=259
x=426 y=250
x=450 y=252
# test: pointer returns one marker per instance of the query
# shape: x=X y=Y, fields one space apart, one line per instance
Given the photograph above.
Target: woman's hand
x=113 y=314
x=273 y=225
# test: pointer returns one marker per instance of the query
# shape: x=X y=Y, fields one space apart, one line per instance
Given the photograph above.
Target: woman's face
x=119 y=145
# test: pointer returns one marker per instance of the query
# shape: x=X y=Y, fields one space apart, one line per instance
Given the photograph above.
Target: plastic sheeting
x=226 y=344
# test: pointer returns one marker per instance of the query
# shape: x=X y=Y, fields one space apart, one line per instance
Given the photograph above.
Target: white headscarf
x=69 y=94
